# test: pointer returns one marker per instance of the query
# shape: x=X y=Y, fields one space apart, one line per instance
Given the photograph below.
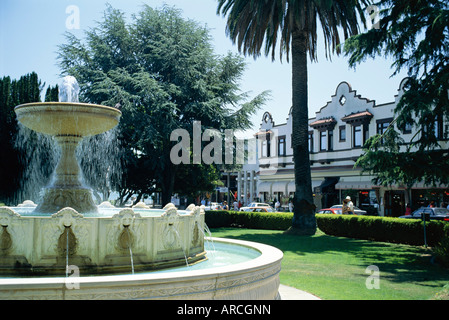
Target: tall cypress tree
x=13 y=161
x=52 y=94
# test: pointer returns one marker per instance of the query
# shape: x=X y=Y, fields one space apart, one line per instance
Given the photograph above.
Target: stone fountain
x=65 y=232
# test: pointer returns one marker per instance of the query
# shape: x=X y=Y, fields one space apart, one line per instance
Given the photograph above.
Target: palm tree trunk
x=304 y=221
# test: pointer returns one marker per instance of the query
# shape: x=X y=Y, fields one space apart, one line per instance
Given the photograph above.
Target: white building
x=337 y=134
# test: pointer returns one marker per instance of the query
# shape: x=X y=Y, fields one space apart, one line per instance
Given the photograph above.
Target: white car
x=213 y=206
x=255 y=204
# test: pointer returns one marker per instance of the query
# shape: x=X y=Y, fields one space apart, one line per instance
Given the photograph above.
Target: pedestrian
x=225 y=205
x=345 y=207
x=350 y=205
x=290 y=206
x=408 y=210
x=277 y=205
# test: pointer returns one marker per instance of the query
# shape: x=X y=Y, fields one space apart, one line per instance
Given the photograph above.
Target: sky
x=31 y=30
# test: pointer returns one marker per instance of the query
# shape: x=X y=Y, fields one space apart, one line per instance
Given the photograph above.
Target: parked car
x=261 y=209
x=254 y=205
x=329 y=211
x=357 y=210
x=213 y=206
x=435 y=213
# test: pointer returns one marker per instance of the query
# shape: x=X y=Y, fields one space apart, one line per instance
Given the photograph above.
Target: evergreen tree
x=52 y=94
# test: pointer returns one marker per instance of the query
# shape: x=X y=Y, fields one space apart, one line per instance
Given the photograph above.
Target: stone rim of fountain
x=252 y=280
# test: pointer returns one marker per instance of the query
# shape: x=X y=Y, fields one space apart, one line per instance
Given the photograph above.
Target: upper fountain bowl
x=68 y=118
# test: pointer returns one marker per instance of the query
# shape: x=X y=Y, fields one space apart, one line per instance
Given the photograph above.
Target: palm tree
x=254 y=24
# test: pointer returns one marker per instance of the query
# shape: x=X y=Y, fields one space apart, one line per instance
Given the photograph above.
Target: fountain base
x=45 y=244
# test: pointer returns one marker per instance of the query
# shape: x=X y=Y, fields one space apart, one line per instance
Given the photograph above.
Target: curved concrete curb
x=289 y=293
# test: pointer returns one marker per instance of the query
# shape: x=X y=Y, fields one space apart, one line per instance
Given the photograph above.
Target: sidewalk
x=289 y=293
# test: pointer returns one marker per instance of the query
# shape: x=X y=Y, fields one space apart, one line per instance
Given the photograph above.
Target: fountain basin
x=256 y=279
x=44 y=245
x=67 y=118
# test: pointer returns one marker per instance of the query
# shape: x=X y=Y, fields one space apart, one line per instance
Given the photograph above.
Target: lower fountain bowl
x=256 y=279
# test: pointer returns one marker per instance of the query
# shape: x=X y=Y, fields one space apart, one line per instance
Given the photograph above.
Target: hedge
x=249 y=220
x=385 y=229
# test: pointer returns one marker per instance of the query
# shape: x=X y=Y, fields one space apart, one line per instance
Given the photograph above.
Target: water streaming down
x=206 y=229
x=100 y=159
x=67 y=256
x=130 y=250
x=41 y=154
x=182 y=247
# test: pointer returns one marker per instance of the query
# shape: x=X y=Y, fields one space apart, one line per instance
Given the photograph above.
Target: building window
x=266 y=146
x=382 y=125
x=408 y=128
x=438 y=129
x=357 y=136
x=330 y=140
x=281 y=146
x=360 y=135
x=310 y=141
x=323 y=140
x=342 y=131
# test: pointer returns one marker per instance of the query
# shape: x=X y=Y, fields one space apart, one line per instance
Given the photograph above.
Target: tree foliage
x=162 y=73
x=415 y=34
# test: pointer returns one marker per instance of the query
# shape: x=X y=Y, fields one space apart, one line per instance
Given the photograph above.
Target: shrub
x=250 y=220
x=441 y=249
x=386 y=229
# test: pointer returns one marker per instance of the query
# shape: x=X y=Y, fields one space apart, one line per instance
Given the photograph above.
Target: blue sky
x=31 y=30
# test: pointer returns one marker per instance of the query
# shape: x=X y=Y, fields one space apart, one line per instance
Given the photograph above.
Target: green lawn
x=335 y=268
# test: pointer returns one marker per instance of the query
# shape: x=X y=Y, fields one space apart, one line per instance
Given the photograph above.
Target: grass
x=334 y=268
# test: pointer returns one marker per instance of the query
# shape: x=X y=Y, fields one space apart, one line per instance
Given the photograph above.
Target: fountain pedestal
x=67 y=190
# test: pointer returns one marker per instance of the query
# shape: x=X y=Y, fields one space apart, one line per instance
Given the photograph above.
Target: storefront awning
x=264 y=187
x=279 y=186
x=356 y=185
x=292 y=188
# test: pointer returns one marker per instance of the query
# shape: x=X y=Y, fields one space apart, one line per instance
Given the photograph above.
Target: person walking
x=350 y=205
